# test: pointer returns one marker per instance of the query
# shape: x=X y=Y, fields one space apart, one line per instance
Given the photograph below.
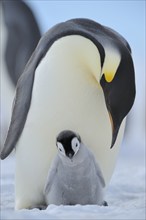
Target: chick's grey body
x=75 y=181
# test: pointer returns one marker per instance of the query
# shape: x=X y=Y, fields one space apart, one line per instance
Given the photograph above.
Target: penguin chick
x=74 y=176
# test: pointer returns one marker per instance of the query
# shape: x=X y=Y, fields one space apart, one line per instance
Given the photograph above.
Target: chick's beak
x=70 y=155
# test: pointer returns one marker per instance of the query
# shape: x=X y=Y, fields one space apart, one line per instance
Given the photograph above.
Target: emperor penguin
x=80 y=77
x=19 y=37
x=75 y=176
x=23 y=35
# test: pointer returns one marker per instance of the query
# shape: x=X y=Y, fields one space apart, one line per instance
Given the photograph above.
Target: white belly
x=66 y=95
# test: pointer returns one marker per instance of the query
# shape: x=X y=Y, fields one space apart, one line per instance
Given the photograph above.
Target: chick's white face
x=69 y=149
x=60 y=148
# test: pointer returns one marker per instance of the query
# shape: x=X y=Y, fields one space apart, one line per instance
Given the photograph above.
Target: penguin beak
x=70 y=155
x=119 y=93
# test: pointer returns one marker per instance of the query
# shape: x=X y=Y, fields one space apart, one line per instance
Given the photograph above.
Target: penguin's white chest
x=66 y=95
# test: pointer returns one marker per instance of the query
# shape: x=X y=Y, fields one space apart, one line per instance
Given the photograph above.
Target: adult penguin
x=81 y=78
x=23 y=35
x=20 y=35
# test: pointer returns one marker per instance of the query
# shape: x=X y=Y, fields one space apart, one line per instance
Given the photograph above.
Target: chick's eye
x=60 y=148
x=75 y=145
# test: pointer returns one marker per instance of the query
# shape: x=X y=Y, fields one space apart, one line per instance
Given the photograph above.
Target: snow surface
x=125 y=194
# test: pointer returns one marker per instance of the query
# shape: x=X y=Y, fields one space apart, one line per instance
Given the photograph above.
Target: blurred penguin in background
x=20 y=34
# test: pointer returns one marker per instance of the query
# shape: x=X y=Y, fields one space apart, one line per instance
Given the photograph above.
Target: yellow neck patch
x=109 y=76
x=111 y=63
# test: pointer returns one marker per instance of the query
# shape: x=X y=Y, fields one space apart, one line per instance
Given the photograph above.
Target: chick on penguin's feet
x=74 y=177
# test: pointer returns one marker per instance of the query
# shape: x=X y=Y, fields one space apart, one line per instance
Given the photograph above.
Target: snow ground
x=125 y=194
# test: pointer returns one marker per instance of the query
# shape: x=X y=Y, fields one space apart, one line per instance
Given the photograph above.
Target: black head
x=68 y=143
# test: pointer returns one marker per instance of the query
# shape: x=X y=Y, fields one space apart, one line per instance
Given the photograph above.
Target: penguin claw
x=105 y=203
x=42 y=207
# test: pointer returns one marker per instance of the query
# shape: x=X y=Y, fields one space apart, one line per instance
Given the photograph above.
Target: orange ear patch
x=111 y=120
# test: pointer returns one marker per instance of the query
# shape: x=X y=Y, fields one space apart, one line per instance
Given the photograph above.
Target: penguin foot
x=105 y=203
x=40 y=207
